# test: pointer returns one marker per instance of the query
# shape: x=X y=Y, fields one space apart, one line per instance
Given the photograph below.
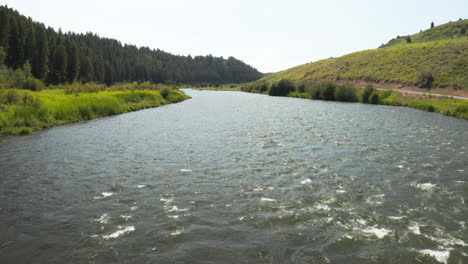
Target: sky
x=267 y=34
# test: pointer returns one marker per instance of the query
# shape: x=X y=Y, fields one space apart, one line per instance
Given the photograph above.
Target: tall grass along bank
x=23 y=111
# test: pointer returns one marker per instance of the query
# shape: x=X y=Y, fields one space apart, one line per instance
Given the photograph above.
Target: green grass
x=445 y=57
x=448 y=31
x=450 y=107
x=22 y=111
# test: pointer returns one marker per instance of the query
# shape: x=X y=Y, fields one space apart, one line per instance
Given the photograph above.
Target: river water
x=230 y=177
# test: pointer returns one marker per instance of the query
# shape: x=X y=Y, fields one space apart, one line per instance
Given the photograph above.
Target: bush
x=327 y=91
x=345 y=93
x=282 y=88
x=374 y=98
x=426 y=80
x=165 y=91
x=366 y=93
x=33 y=84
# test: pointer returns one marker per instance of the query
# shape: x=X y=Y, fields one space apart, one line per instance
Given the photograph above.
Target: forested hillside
x=58 y=57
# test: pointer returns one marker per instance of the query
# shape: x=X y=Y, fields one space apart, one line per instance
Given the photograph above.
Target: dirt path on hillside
x=425 y=94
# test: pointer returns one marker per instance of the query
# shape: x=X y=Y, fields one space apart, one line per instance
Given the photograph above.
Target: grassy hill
x=440 y=52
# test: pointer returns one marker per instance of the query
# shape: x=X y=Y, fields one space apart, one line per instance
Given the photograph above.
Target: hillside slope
x=441 y=52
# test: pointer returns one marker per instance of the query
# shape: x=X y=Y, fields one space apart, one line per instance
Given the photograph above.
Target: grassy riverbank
x=331 y=91
x=23 y=111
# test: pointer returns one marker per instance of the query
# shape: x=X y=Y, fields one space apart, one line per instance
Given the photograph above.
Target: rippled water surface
x=230 y=177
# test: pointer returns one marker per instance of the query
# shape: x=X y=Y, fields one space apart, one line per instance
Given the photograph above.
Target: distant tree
x=73 y=67
x=58 y=72
x=2 y=56
x=432 y=24
x=426 y=80
x=462 y=30
x=40 y=60
x=408 y=39
x=15 y=51
x=4 y=29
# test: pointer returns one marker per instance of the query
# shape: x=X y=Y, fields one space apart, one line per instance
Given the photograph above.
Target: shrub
x=426 y=80
x=282 y=88
x=366 y=93
x=327 y=91
x=374 y=98
x=165 y=91
x=345 y=93
x=33 y=84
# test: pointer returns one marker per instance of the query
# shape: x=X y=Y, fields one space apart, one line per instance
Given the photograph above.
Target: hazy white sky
x=267 y=34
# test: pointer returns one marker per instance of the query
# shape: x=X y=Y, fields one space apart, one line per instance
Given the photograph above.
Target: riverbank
x=23 y=111
x=331 y=91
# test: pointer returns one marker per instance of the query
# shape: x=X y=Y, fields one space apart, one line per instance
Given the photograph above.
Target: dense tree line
x=58 y=57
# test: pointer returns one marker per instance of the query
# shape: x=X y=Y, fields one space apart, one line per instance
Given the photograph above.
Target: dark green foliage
x=4 y=28
x=33 y=84
x=301 y=88
x=59 y=65
x=426 y=80
x=345 y=93
x=40 y=59
x=462 y=30
x=366 y=93
x=282 y=88
x=165 y=91
x=2 y=56
x=432 y=24
x=328 y=91
x=374 y=98
x=58 y=57
x=408 y=39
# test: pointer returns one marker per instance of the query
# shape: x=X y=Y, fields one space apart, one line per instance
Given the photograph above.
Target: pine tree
x=432 y=24
x=4 y=28
x=40 y=61
x=73 y=67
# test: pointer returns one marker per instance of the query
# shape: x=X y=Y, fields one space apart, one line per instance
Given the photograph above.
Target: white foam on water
x=424 y=186
x=133 y=208
x=400 y=166
x=173 y=216
x=139 y=186
x=241 y=218
x=378 y=232
x=258 y=189
x=104 y=219
x=185 y=170
x=166 y=201
x=126 y=217
x=414 y=227
x=176 y=209
x=441 y=256
x=340 y=191
x=450 y=241
x=120 y=232
x=177 y=232
x=461 y=170
x=267 y=200
x=104 y=195
x=306 y=181
x=271 y=188
x=322 y=207
x=396 y=217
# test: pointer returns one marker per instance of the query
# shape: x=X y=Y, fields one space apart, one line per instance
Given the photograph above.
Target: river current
x=231 y=177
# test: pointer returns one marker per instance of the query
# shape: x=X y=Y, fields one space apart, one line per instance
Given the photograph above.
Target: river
x=231 y=177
